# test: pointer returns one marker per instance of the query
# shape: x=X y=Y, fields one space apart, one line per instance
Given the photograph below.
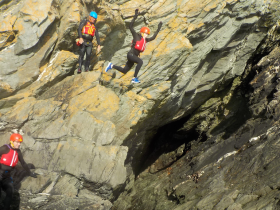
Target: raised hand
x=159 y=25
x=136 y=12
x=34 y=175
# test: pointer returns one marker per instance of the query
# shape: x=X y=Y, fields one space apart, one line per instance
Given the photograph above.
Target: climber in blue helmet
x=93 y=14
x=138 y=45
x=86 y=31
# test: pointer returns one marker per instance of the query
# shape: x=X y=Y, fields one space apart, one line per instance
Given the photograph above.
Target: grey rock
x=97 y=128
x=108 y=160
x=87 y=127
x=34 y=23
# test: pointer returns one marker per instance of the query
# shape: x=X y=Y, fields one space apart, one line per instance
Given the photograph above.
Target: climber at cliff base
x=10 y=155
x=86 y=31
x=138 y=46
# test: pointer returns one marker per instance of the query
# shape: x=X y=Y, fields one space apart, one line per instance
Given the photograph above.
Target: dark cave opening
x=169 y=138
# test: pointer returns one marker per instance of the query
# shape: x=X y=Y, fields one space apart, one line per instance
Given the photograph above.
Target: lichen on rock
x=209 y=84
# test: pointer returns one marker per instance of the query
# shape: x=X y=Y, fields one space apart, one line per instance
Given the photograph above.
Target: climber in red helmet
x=10 y=155
x=138 y=46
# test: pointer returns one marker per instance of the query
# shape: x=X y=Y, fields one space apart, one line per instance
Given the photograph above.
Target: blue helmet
x=93 y=14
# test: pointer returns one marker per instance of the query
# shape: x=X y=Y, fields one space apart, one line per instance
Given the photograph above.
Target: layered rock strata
x=88 y=134
x=236 y=171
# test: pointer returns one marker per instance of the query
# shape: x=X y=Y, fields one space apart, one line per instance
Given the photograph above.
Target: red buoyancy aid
x=89 y=28
x=10 y=159
x=140 y=45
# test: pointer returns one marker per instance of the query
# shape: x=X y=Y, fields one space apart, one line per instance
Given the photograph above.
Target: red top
x=10 y=159
x=140 y=45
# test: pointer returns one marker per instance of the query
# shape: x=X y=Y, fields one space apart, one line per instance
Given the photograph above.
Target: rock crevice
x=209 y=85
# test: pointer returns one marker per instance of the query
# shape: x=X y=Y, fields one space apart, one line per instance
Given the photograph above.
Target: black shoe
x=79 y=71
x=86 y=70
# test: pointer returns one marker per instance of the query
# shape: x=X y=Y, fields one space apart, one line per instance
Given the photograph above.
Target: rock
x=37 y=202
x=232 y=179
x=101 y=133
x=10 y=63
x=61 y=186
x=108 y=160
x=209 y=202
x=224 y=203
x=98 y=128
x=244 y=199
x=64 y=190
x=36 y=18
x=235 y=206
x=37 y=185
x=21 y=72
x=69 y=11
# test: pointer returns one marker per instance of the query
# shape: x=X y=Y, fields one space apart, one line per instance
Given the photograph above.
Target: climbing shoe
x=86 y=70
x=135 y=80
x=108 y=67
x=79 y=71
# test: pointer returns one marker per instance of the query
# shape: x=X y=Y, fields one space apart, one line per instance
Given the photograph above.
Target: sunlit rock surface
x=233 y=162
x=89 y=135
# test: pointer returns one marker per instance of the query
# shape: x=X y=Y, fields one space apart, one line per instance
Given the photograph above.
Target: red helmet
x=145 y=30
x=16 y=137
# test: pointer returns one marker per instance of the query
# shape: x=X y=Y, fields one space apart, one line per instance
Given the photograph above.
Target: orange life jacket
x=10 y=159
x=89 y=29
x=140 y=45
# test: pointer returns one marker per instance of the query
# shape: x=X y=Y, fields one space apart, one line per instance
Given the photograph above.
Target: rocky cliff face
x=199 y=132
x=232 y=161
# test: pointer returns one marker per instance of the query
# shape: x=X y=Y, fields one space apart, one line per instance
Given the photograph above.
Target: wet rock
x=239 y=171
x=97 y=127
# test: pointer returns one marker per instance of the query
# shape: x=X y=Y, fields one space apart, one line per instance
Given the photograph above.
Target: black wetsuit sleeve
x=97 y=36
x=153 y=37
x=134 y=34
x=136 y=37
x=83 y=22
x=4 y=150
x=23 y=163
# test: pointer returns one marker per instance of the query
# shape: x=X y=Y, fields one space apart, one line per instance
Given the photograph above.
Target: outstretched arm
x=24 y=165
x=155 y=34
x=134 y=34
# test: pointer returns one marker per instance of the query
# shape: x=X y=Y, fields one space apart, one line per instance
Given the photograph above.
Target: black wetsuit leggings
x=84 y=48
x=8 y=188
x=131 y=60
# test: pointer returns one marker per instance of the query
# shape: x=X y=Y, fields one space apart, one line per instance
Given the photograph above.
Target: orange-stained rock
x=97 y=126
x=98 y=101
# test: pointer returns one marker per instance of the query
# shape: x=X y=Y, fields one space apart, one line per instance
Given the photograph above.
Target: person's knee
x=88 y=58
x=140 y=63
x=82 y=51
x=125 y=70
